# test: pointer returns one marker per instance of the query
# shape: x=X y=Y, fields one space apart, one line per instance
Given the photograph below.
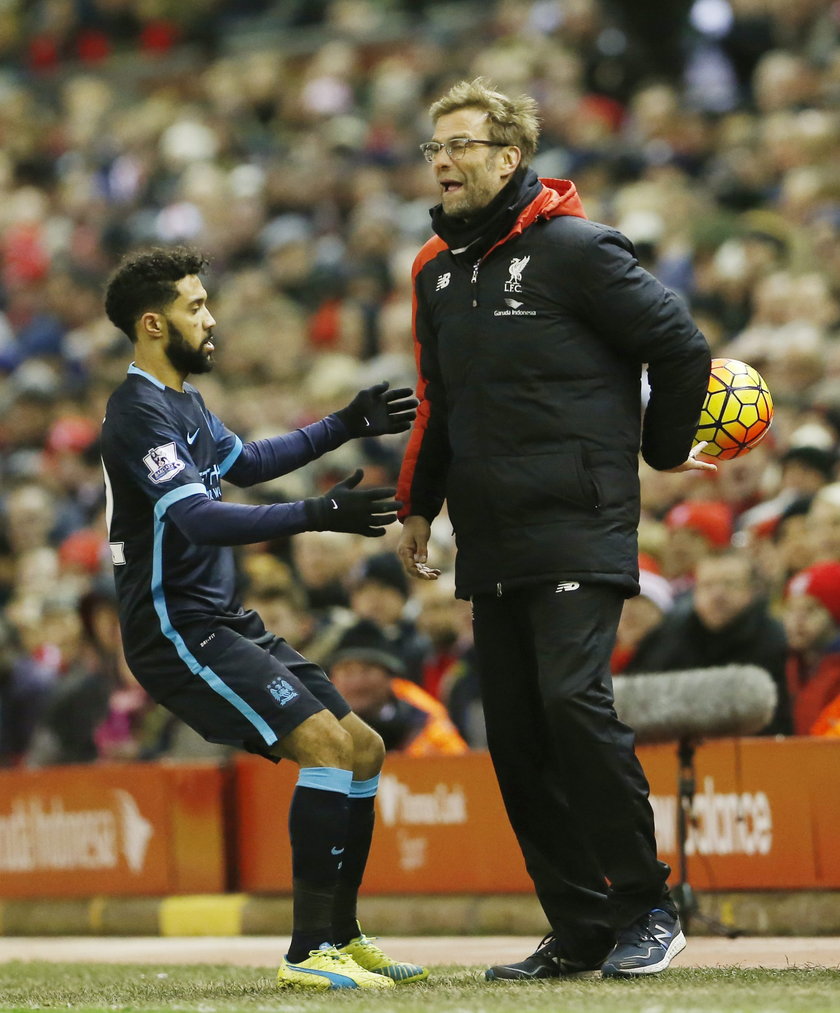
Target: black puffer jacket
x=530 y=425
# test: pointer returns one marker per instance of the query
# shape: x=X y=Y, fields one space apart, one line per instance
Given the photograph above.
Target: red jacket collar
x=558 y=197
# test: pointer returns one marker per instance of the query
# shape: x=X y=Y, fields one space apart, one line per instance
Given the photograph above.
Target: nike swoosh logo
x=192 y=437
x=336 y=851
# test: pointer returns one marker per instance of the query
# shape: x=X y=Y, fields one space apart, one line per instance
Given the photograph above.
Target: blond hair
x=512 y=120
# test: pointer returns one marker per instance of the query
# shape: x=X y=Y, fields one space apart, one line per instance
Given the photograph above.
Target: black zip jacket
x=530 y=421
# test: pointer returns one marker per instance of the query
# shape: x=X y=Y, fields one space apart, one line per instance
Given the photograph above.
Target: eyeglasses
x=456 y=148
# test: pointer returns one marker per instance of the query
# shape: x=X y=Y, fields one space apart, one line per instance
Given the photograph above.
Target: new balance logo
x=567 y=585
x=443 y=281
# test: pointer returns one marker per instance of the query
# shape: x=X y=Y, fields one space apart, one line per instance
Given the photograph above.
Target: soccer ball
x=737 y=411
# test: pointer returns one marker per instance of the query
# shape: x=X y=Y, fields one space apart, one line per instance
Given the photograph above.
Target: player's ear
x=150 y=325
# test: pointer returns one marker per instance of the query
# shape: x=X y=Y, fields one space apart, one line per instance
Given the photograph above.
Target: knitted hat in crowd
x=382 y=568
x=711 y=518
x=365 y=641
x=818 y=459
x=820 y=581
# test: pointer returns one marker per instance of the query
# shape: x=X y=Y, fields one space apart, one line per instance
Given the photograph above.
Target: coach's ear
x=149 y=326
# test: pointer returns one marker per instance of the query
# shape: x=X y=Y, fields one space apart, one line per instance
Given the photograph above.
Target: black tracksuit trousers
x=575 y=793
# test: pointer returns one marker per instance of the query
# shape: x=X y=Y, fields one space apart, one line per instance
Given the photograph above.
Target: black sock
x=359 y=835
x=317 y=830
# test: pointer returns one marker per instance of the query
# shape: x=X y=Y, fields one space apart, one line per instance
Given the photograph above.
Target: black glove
x=376 y=411
x=359 y=511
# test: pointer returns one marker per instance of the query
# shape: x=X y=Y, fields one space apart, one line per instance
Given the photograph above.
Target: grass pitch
x=96 y=988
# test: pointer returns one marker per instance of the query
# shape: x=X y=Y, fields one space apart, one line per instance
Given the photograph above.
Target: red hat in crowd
x=71 y=432
x=820 y=581
x=711 y=518
x=82 y=551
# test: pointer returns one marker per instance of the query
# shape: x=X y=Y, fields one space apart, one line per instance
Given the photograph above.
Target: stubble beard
x=469 y=201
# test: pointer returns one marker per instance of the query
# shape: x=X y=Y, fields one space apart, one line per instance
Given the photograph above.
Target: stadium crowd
x=281 y=138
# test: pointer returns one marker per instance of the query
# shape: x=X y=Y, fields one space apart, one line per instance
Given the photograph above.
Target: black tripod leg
x=684 y=896
x=682 y=893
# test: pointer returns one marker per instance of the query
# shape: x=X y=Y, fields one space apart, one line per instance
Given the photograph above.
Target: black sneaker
x=544 y=962
x=647 y=946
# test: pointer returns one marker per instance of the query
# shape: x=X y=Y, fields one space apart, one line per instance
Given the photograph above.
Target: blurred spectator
x=725 y=621
x=460 y=690
x=30 y=517
x=133 y=727
x=446 y=623
x=811 y=617
x=640 y=617
x=78 y=698
x=824 y=524
x=742 y=483
x=379 y=591
x=369 y=675
x=803 y=470
x=781 y=552
x=449 y=669
x=695 y=529
x=73 y=472
x=320 y=560
x=25 y=684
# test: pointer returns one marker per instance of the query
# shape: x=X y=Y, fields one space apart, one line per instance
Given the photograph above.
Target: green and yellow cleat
x=328 y=967
x=364 y=951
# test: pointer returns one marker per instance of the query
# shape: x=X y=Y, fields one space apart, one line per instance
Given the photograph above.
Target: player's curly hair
x=511 y=120
x=146 y=282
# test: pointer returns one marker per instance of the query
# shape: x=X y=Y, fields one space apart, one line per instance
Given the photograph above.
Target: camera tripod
x=682 y=892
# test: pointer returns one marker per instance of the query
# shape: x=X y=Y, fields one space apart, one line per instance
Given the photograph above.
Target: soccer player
x=532 y=325
x=187 y=638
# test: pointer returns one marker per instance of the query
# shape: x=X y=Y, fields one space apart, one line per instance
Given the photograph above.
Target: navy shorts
x=237 y=684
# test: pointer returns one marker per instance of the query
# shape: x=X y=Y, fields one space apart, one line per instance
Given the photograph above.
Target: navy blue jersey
x=186 y=636
x=160 y=446
x=164 y=455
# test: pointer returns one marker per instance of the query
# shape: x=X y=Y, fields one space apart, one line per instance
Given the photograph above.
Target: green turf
x=207 y=989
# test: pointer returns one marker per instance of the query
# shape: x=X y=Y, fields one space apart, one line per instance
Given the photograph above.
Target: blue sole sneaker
x=646 y=947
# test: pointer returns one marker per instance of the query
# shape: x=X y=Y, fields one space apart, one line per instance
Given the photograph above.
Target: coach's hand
x=692 y=463
x=413 y=548
x=377 y=411
x=346 y=508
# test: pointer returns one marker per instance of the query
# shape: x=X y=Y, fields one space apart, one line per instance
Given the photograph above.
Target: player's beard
x=184 y=357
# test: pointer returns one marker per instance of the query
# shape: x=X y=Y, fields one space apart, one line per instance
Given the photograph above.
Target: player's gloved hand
x=359 y=511
x=377 y=411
